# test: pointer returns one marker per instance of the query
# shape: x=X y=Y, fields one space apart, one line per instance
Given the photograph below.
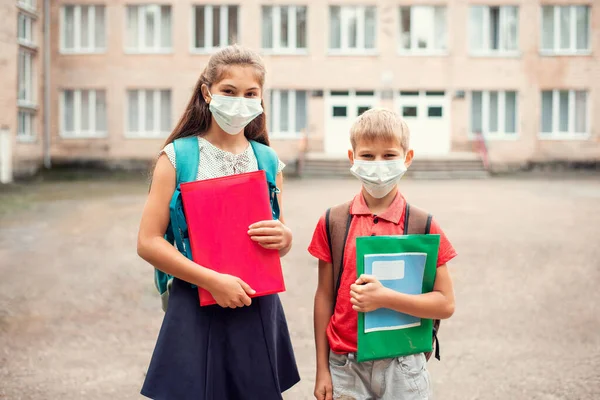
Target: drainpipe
x=47 y=160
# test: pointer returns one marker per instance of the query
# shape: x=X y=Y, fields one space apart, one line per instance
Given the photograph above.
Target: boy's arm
x=323 y=312
x=369 y=294
x=322 y=315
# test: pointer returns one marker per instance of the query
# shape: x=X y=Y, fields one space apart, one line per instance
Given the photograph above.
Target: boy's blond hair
x=380 y=124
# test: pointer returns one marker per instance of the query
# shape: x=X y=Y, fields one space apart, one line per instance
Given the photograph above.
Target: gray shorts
x=403 y=378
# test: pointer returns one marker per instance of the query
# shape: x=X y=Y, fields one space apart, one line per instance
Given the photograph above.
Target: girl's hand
x=367 y=294
x=323 y=386
x=271 y=234
x=230 y=291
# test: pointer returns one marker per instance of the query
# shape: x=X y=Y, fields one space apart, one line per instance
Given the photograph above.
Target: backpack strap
x=187 y=157
x=187 y=154
x=417 y=222
x=269 y=162
x=337 y=223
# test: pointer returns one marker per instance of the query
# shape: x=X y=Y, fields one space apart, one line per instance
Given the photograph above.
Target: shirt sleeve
x=446 y=251
x=319 y=246
x=280 y=166
x=169 y=150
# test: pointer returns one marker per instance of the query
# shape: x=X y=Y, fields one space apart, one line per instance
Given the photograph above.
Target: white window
x=494 y=29
x=25 y=130
x=352 y=29
x=83 y=29
x=284 y=28
x=25 y=27
x=566 y=29
x=149 y=113
x=288 y=113
x=565 y=114
x=494 y=114
x=423 y=29
x=214 y=27
x=83 y=113
x=27 y=4
x=25 y=94
x=149 y=29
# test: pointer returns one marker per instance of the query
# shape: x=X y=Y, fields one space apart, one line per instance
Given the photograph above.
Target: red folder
x=218 y=213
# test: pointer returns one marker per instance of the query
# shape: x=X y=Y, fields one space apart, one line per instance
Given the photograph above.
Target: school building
x=104 y=81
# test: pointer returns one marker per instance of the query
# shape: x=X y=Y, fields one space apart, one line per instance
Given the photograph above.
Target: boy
x=380 y=156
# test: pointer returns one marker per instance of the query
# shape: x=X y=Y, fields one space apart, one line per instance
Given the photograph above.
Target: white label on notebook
x=388 y=270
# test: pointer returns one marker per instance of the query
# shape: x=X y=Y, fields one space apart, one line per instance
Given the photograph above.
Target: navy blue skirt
x=215 y=353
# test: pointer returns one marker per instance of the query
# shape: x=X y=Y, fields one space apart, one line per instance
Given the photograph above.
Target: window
x=565 y=29
x=494 y=113
x=214 y=27
x=352 y=29
x=83 y=113
x=25 y=130
x=25 y=30
x=149 y=29
x=83 y=29
x=25 y=85
x=283 y=28
x=288 y=113
x=564 y=113
x=409 y=111
x=423 y=29
x=494 y=29
x=149 y=113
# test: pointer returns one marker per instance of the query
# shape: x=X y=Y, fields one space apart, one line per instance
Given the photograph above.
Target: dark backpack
x=338 y=220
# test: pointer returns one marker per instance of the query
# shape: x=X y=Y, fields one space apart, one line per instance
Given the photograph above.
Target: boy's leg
x=350 y=379
x=407 y=378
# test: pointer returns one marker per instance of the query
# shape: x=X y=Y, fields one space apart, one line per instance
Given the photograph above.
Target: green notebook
x=406 y=264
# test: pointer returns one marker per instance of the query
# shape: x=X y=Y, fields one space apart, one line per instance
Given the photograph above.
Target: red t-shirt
x=342 y=328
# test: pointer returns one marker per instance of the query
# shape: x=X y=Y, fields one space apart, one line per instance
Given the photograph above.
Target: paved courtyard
x=79 y=314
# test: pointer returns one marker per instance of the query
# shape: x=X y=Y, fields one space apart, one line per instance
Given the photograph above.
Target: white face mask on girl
x=379 y=177
x=234 y=113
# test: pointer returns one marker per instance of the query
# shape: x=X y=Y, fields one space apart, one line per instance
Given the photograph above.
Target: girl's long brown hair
x=197 y=117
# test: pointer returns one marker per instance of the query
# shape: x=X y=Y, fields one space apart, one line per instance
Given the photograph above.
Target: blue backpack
x=187 y=157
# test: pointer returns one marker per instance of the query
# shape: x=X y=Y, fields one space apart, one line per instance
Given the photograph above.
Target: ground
x=79 y=314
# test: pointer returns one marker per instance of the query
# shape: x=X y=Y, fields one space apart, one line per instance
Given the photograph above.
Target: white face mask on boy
x=379 y=177
x=234 y=113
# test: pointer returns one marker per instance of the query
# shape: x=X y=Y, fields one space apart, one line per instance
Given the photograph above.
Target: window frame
x=501 y=134
x=29 y=39
x=29 y=135
x=344 y=50
x=77 y=31
x=572 y=51
x=276 y=13
x=415 y=51
x=487 y=51
x=274 y=110
x=30 y=100
x=157 y=112
x=77 y=132
x=208 y=27
x=141 y=30
x=556 y=134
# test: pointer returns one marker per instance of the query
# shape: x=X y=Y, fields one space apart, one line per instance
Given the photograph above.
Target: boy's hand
x=367 y=294
x=271 y=234
x=323 y=386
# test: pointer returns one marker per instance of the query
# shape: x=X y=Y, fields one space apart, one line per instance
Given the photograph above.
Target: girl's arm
x=273 y=234
x=369 y=294
x=152 y=247
x=322 y=315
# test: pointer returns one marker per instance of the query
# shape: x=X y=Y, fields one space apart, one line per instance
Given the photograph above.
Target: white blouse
x=215 y=162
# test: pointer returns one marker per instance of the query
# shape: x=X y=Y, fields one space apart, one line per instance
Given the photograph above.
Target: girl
x=239 y=349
